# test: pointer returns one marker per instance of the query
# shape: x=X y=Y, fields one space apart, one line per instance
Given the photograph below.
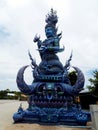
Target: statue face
x=50 y=32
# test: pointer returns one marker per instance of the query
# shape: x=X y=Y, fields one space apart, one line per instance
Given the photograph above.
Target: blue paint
x=51 y=93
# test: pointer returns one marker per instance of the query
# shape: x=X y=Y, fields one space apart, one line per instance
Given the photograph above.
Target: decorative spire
x=51 y=18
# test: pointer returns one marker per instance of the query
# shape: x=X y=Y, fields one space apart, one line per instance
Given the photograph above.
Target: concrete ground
x=8 y=107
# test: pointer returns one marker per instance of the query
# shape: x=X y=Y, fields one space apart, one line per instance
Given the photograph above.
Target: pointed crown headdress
x=51 y=19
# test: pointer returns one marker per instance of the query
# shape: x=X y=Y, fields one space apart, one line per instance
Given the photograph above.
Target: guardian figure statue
x=51 y=93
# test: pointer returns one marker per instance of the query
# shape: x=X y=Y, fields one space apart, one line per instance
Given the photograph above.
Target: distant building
x=10 y=94
x=23 y=97
x=86 y=99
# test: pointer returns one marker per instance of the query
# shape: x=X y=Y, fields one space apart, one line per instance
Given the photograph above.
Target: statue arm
x=37 y=39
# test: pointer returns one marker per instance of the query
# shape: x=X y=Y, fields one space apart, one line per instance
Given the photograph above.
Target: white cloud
x=23 y=19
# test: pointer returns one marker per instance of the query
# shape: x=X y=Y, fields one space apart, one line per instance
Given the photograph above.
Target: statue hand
x=36 y=38
x=42 y=48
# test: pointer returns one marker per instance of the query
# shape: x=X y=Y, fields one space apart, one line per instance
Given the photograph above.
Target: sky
x=21 y=20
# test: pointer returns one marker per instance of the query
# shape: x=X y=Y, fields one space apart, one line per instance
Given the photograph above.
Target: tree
x=3 y=94
x=93 y=87
x=72 y=77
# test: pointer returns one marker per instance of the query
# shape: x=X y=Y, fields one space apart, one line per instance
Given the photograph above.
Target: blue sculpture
x=51 y=93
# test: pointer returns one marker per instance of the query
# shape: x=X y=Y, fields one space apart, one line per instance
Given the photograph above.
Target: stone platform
x=94 y=116
x=41 y=127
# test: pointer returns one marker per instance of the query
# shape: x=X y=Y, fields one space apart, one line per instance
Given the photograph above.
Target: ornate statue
x=51 y=93
x=51 y=44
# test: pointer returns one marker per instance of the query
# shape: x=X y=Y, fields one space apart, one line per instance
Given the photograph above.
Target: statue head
x=50 y=31
x=51 y=20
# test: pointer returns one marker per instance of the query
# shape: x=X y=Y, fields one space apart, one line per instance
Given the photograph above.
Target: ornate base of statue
x=51 y=95
x=53 y=116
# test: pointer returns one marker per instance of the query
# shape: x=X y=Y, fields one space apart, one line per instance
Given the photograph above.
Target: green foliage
x=93 y=87
x=7 y=94
x=72 y=77
x=3 y=94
